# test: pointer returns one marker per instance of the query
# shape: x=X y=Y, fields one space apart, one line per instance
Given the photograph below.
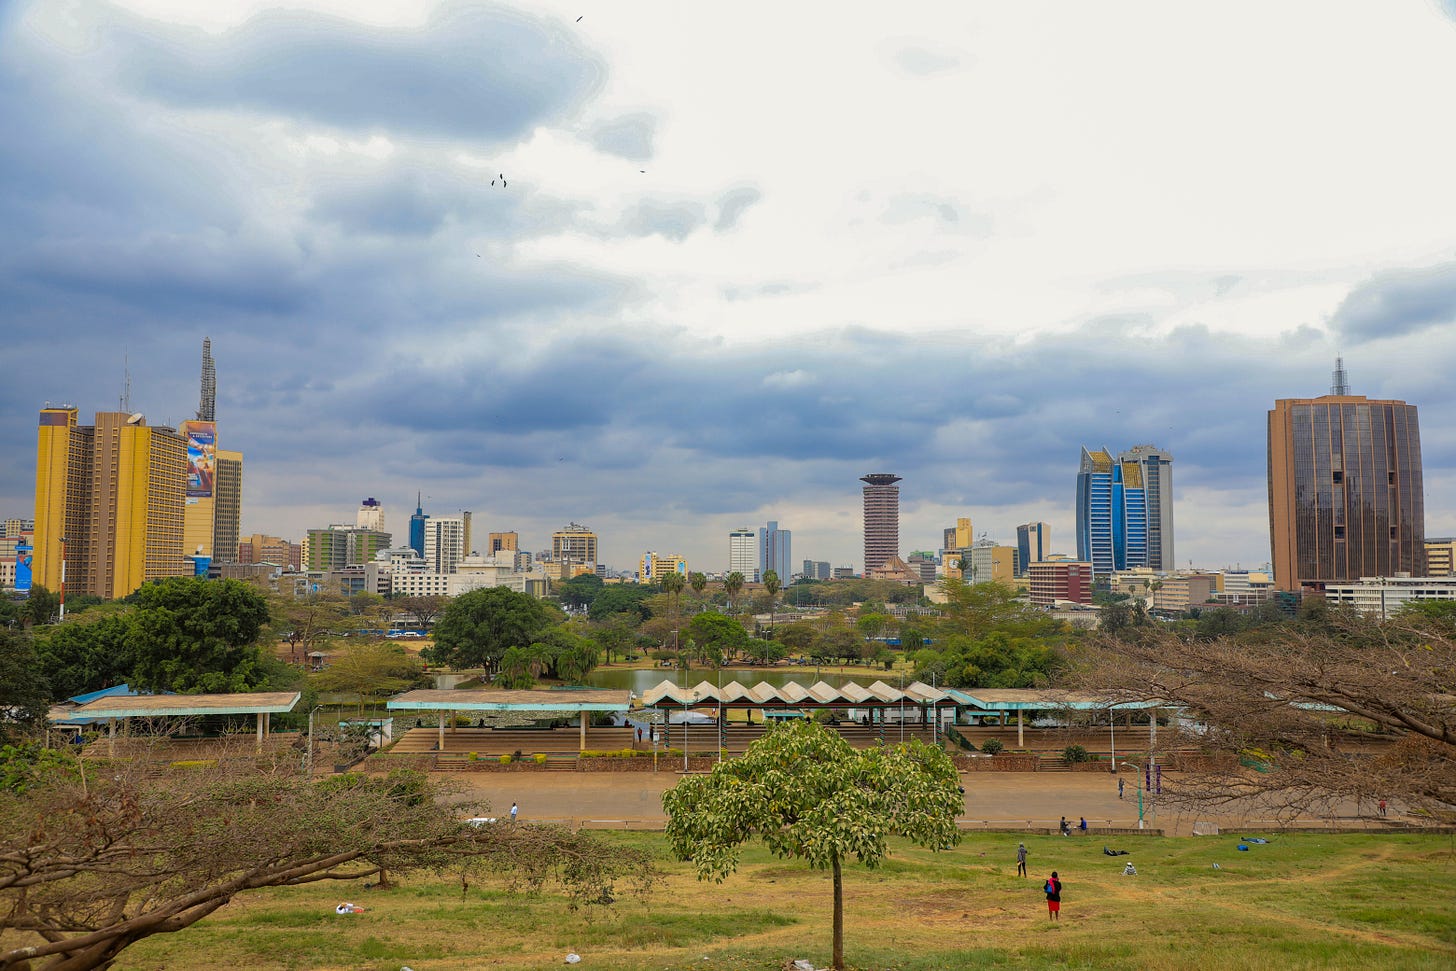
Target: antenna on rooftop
x=125 y=383
x=1341 y=381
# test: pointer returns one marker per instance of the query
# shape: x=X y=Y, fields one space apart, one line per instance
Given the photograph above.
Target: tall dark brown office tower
x=1345 y=490
x=881 y=519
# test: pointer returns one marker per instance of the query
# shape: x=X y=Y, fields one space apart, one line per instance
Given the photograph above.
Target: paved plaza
x=994 y=800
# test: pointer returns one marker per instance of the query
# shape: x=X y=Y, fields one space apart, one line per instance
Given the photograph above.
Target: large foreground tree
x=1307 y=716
x=808 y=794
x=92 y=862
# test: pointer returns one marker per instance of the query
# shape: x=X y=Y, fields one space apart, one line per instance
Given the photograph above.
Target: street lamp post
x=63 y=578
x=1138 y=776
x=1112 y=734
x=308 y=752
x=685 y=732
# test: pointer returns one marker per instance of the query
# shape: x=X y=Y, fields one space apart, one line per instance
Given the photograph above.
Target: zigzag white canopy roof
x=674 y=695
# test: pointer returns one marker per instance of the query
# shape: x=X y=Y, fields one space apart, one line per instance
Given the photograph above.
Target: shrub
x=991 y=746
x=505 y=760
x=1076 y=753
x=539 y=758
x=472 y=756
x=195 y=764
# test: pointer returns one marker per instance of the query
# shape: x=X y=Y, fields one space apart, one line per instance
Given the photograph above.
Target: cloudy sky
x=747 y=252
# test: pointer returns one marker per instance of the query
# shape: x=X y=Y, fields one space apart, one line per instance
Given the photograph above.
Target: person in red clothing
x=1054 y=897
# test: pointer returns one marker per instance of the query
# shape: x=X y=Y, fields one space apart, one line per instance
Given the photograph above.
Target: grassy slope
x=1357 y=902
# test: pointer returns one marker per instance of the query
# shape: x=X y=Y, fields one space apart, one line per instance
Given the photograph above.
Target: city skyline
x=683 y=314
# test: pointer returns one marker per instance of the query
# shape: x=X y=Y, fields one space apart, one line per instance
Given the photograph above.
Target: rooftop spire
x=1340 y=381
x=207 y=405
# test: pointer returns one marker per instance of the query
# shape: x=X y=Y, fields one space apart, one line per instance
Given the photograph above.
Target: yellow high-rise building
x=955 y=545
x=109 y=500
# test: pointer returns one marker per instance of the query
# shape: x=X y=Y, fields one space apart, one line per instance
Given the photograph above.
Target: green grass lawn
x=1303 y=901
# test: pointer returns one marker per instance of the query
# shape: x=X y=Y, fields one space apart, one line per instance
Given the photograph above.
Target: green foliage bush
x=1076 y=753
x=505 y=760
x=472 y=756
x=991 y=746
x=539 y=758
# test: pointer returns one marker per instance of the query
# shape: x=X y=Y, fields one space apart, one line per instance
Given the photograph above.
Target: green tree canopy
x=718 y=637
x=370 y=669
x=81 y=657
x=808 y=794
x=580 y=591
x=478 y=627
x=25 y=693
x=190 y=634
x=623 y=598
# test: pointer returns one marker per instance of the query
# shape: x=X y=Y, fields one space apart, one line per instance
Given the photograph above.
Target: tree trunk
x=836 y=961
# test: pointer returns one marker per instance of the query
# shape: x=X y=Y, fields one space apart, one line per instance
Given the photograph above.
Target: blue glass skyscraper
x=775 y=552
x=417 y=527
x=1112 y=513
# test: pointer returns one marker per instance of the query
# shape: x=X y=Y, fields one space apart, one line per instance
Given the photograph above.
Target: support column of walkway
x=1020 y=723
x=582 y=747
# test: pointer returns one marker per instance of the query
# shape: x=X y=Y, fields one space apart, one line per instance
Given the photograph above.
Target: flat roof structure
x=438 y=699
x=1022 y=699
x=447 y=701
x=124 y=707
x=158 y=706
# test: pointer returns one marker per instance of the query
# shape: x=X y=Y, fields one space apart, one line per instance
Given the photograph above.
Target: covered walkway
x=549 y=702
x=122 y=708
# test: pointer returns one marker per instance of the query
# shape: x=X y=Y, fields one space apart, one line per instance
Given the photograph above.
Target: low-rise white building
x=1383 y=596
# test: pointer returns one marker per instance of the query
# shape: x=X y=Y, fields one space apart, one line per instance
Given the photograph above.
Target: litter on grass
x=348 y=908
x=573 y=958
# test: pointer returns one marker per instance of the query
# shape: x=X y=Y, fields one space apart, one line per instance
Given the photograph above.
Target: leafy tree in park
x=732 y=584
x=478 y=627
x=24 y=694
x=998 y=660
x=978 y=609
x=580 y=591
x=306 y=623
x=615 y=635
x=622 y=599
x=772 y=584
x=90 y=865
x=798 y=638
x=718 y=637
x=1285 y=699
x=699 y=583
x=81 y=657
x=808 y=794
x=423 y=609
x=370 y=669
x=672 y=584
x=193 y=634
x=41 y=607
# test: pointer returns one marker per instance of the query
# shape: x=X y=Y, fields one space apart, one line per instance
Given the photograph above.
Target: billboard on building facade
x=201 y=457
x=22 y=567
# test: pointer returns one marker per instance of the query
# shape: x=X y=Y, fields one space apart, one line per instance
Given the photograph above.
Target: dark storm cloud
x=475 y=72
x=629 y=136
x=732 y=205
x=1398 y=302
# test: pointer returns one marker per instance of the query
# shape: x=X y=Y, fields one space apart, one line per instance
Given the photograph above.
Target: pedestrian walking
x=514 y=810
x=1053 y=891
x=1120 y=784
x=1021 y=860
x=1382 y=807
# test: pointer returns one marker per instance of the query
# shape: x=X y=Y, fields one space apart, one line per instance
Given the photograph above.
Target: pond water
x=641 y=679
